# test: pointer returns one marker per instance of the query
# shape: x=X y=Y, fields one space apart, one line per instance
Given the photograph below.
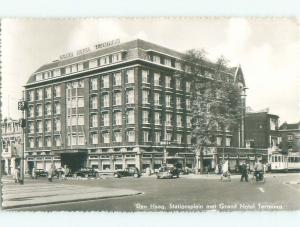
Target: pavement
x=34 y=193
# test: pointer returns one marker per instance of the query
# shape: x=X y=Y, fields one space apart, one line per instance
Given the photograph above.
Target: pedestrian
x=244 y=171
x=50 y=173
x=33 y=173
x=17 y=175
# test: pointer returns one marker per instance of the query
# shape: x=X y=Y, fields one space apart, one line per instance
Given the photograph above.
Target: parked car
x=41 y=173
x=128 y=172
x=167 y=172
x=85 y=172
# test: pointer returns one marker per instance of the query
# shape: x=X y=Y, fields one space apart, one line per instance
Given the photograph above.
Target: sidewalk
x=34 y=193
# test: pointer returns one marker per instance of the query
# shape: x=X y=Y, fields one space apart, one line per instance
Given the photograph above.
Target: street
x=187 y=193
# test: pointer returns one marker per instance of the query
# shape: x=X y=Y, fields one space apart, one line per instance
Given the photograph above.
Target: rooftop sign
x=89 y=49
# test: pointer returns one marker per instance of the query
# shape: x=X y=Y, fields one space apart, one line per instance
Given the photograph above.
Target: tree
x=216 y=103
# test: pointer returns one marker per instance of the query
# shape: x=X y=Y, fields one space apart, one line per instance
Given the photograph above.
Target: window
x=48 y=109
x=93 y=63
x=157 y=137
x=80 y=66
x=94 y=102
x=156 y=98
x=68 y=69
x=105 y=137
x=179 y=121
x=273 y=124
x=80 y=84
x=30 y=111
x=57 y=91
x=94 y=121
x=130 y=117
x=167 y=81
x=48 y=93
x=219 y=141
x=130 y=97
x=145 y=117
x=48 y=125
x=104 y=60
x=146 y=136
x=116 y=57
x=290 y=137
x=156 y=59
x=188 y=121
x=178 y=84
x=39 y=141
x=145 y=96
x=130 y=76
x=39 y=110
x=39 y=94
x=178 y=102
x=178 y=65
x=106 y=119
x=80 y=120
x=81 y=140
x=57 y=126
x=168 y=119
x=30 y=127
x=179 y=138
x=94 y=83
x=168 y=137
x=74 y=120
x=31 y=142
x=57 y=141
x=106 y=100
x=168 y=100
x=31 y=95
x=56 y=72
x=188 y=86
x=189 y=139
x=94 y=138
x=39 y=77
x=118 y=136
x=48 y=141
x=118 y=98
x=47 y=75
x=168 y=62
x=228 y=142
x=157 y=117
x=74 y=68
x=118 y=118
x=105 y=81
x=57 y=108
x=131 y=136
x=188 y=68
x=188 y=104
x=117 y=79
x=156 y=79
x=145 y=76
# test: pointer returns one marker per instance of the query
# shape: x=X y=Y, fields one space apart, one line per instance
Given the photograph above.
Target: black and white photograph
x=154 y=114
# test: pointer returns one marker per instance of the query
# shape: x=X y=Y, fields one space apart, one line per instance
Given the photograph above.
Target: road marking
x=261 y=189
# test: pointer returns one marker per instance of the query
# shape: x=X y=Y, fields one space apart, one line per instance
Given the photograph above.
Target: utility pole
x=22 y=105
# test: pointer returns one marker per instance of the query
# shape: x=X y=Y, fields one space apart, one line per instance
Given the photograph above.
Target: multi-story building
x=11 y=145
x=120 y=105
x=261 y=130
x=290 y=138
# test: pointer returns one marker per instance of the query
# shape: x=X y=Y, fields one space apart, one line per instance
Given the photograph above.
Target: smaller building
x=290 y=137
x=261 y=130
x=11 y=145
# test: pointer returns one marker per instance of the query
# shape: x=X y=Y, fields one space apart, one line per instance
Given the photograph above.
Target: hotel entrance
x=73 y=161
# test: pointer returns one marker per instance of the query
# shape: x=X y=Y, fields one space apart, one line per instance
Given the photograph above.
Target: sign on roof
x=89 y=49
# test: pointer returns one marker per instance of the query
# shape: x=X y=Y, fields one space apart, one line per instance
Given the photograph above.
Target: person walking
x=33 y=173
x=17 y=175
x=50 y=173
x=244 y=171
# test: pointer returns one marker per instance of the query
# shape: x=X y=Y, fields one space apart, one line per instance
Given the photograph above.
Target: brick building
x=120 y=105
x=290 y=137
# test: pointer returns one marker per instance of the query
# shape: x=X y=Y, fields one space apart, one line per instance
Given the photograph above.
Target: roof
x=138 y=43
x=293 y=126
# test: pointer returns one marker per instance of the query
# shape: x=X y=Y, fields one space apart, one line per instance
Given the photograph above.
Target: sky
x=268 y=50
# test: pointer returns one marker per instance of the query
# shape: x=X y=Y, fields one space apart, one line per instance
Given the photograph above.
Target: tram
x=280 y=162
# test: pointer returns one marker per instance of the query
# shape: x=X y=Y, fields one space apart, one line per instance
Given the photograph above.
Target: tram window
x=297 y=159
x=289 y=158
x=275 y=159
x=279 y=158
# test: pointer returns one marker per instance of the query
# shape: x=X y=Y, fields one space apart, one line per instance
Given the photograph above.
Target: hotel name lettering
x=88 y=49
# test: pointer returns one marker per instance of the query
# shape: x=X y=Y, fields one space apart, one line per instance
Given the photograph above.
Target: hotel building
x=120 y=105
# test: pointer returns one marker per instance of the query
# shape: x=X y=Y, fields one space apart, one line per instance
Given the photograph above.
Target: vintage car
x=85 y=172
x=167 y=172
x=128 y=172
x=41 y=173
